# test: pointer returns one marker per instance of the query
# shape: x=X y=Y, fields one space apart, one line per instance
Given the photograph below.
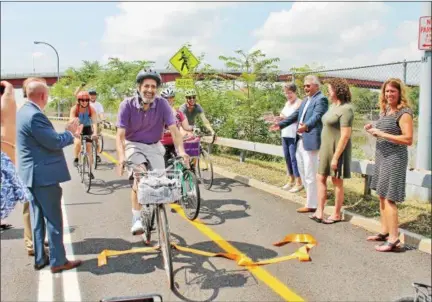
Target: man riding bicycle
x=181 y=120
x=87 y=117
x=140 y=125
x=191 y=109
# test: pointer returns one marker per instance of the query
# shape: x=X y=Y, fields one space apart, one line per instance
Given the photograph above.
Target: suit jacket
x=317 y=107
x=41 y=161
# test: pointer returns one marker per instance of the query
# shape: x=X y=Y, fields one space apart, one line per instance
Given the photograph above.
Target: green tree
x=250 y=95
x=413 y=97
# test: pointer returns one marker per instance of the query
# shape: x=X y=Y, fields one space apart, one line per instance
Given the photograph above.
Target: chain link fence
x=365 y=83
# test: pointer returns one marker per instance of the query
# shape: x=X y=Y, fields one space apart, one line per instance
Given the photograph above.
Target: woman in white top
x=288 y=135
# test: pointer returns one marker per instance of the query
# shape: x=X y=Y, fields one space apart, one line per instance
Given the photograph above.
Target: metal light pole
x=58 y=69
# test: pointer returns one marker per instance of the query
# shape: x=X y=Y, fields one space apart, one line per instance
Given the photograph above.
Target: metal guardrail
x=6 y=76
x=364 y=167
x=414 y=177
x=105 y=125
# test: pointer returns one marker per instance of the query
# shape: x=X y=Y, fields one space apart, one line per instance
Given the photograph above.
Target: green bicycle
x=191 y=196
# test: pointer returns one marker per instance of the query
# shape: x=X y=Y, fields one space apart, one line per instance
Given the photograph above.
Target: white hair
x=35 y=87
x=313 y=79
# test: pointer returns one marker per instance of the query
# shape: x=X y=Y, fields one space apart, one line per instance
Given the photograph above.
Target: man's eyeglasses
x=190 y=97
x=84 y=100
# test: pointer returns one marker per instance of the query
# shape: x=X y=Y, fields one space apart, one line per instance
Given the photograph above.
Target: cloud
x=335 y=35
x=155 y=31
x=38 y=54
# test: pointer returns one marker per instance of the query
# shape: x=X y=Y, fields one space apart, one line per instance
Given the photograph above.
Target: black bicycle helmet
x=92 y=91
x=148 y=74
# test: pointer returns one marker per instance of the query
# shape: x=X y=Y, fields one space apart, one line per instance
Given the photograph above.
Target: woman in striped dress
x=394 y=133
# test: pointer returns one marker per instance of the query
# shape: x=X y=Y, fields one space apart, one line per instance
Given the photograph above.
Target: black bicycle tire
x=81 y=169
x=95 y=153
x=406 y=299
x=147 y=225
x=198 y=197
x=165 y=244
x=86 y=159
x=101 y=144
x=210 y=183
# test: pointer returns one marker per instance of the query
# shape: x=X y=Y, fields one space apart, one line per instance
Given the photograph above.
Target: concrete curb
x=408 y=238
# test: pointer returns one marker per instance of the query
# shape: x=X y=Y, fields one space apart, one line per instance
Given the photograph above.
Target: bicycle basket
x=192 y=147
x=159 y=186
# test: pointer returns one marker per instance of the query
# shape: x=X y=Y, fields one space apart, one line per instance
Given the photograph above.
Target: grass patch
x=414 y=216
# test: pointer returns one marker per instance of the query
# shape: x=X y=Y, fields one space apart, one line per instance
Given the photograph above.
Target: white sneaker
x=288 y=186
x=137 y=228
x=296 y=189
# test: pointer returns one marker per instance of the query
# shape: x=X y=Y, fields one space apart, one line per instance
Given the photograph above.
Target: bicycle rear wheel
x=205 y=169
x=191 y=199
x=86 y=171
x=164 y=242
x=101 y=144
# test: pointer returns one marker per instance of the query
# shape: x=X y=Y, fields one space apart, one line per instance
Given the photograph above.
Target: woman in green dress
x=335 y=150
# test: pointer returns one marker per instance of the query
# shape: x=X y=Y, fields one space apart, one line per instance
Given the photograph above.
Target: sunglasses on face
x=84 y=100
x=190 y=97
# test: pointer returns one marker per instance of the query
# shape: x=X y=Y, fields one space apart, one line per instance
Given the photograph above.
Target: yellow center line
x=271 y=281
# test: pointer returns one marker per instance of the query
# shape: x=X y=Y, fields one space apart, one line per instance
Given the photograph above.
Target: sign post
x=423 y=156
x=425 y=33
x=184 y=62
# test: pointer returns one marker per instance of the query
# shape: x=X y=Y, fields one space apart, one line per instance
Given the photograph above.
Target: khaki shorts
x=153 y=154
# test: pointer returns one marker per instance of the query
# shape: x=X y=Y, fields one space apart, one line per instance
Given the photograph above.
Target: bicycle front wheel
x=191 y=198
x=164 y=242
x=205 y=169
x=95 y=153
x=147 y=219
x=86 y=172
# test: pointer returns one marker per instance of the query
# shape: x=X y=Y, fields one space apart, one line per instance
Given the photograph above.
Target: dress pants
x=307 y=163
x=46 y=214
x=28 y=238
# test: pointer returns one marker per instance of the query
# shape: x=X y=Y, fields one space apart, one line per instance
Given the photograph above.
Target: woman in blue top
x=88 y=118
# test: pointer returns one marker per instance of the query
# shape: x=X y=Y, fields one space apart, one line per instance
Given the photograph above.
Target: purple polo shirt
x=144 y=126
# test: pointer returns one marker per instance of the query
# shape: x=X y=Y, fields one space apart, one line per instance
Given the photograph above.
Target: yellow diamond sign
x=184 y=83
x=184 y=61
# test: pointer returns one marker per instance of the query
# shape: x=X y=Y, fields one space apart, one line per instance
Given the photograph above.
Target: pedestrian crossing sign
x=184 y=61
x=184 y=83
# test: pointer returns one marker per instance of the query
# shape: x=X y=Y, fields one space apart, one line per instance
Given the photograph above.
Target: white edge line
x=45 y=287
x=71 y=289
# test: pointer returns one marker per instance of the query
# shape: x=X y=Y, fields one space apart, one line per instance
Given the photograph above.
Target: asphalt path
x=344 y=266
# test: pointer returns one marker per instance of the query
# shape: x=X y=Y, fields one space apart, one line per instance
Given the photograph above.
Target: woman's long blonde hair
x=400 y=86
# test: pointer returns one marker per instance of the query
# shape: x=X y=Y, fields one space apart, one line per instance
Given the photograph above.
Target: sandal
x=331 y=220
x=316 y=219
x=378 y=237
x=387 y=246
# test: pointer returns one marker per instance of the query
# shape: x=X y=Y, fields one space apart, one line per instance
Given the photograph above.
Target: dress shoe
x=306 y=210
x=41 y=266
x=67 y=266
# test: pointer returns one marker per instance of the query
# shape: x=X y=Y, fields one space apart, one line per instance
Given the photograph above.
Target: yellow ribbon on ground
x=302 y=254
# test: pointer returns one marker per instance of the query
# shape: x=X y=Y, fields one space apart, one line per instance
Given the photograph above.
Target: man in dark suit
x=308 y=140
x=42 y=167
